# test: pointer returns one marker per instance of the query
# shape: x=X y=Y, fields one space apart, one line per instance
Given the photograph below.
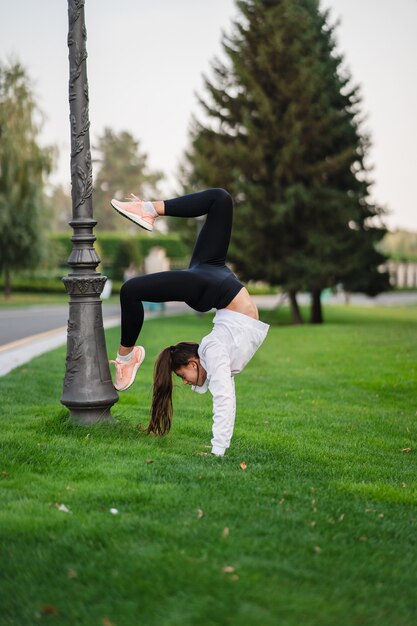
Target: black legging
x=206 y=284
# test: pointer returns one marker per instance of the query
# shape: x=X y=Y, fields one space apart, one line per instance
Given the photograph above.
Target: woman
x=207 y=283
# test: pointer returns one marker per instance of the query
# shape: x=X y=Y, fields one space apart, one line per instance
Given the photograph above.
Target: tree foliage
x=23 y=166
x=59 y=205
x=400 y=245
x=284 y=136
x=121 y=169
x=127 y=255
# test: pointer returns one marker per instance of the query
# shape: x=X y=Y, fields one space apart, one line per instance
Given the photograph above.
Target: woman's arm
x=222 y=387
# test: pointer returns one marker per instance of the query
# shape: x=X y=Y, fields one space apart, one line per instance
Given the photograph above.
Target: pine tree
x=283 y=135
x=23 y=166
x=121 y=170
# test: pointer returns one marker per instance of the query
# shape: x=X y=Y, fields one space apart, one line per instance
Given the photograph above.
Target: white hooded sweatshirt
x=223 y=353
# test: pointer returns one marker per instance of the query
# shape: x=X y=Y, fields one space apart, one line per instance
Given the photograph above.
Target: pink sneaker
x=126 y=372
x=138 y=211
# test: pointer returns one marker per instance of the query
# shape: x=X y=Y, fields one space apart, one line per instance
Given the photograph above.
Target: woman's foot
x=138 y=211
x=127 y=367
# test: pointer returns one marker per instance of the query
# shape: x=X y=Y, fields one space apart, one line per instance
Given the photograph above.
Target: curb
x=18 y=352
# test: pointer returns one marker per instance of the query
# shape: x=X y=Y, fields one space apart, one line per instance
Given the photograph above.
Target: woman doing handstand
x=207 y=283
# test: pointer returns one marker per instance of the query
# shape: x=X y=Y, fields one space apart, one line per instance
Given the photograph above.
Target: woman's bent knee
x=223 y=196
x=127 y=291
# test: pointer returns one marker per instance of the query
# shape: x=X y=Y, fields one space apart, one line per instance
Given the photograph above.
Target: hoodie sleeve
x=222 y=387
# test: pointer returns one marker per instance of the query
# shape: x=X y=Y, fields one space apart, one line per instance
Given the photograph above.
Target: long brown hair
x=168 y=361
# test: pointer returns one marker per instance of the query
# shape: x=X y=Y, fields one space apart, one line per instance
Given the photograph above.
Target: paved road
x=26 y=333
x=395 y=298
x=17 y=323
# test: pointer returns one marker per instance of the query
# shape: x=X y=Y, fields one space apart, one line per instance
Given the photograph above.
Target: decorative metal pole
x=88 y=390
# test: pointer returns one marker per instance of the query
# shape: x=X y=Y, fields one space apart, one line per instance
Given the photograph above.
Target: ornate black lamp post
x=88 y=390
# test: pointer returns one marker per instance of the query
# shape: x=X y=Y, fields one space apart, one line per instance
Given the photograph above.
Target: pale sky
x=145 y=64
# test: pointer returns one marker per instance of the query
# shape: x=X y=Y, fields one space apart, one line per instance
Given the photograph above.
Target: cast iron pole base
x=88 y=390
x=91 y=416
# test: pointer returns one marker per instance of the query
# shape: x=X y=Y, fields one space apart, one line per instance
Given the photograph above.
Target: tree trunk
x=316 y=310
x=295 y=309
x=7 y=284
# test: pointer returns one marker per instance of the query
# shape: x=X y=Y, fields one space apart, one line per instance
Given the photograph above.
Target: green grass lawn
x=319 y=529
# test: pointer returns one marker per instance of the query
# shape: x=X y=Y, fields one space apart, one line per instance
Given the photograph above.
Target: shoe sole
x=134 y=372
x=133 y=218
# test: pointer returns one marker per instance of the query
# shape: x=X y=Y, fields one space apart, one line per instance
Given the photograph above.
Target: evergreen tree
x=23 y=165
x=121 y=170
x=283 y=135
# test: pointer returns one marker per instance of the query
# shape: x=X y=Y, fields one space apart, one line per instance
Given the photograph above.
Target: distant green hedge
x=402 y=257
x=36 y=285
x=46 y=285
x=108 y=244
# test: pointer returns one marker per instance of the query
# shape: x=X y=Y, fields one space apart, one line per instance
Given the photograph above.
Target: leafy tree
x=127 y=255
x=121 y=169
x=23 y=166
x=283 y=135
x=59 y=205
x=400 y=245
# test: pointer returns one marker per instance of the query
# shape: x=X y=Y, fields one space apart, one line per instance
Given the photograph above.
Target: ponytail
x=168 y=361
x=161 y=412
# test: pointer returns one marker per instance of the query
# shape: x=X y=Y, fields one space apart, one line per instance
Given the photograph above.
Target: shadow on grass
x=62 y=424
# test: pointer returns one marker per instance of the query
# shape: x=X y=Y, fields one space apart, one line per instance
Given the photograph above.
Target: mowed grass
x=310 y=519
